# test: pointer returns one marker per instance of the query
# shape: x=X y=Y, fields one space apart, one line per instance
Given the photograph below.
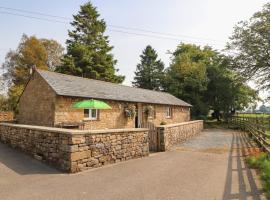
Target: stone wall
x=170 y=135
x=6 y=116
x=179 y=114
x=37 y=103
x=115 y=118
x=112 y=119
x=75 y=150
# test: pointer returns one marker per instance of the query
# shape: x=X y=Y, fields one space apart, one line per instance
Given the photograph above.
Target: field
x=263 y=120
x=258 y=115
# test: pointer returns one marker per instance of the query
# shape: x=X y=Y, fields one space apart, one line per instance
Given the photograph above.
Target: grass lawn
x=253 y=115
x=262 y=163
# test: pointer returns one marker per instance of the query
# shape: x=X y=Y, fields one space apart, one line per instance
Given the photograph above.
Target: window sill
x=87 y=120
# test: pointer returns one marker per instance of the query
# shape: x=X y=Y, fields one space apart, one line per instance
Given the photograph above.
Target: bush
x=201 y=117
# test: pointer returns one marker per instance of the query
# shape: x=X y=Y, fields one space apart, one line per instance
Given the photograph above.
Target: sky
x=203 y=22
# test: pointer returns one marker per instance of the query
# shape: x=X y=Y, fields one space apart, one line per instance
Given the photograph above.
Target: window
x=168 y=112
x=90 y=114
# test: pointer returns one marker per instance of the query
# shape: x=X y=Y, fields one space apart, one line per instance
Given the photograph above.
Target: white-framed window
x=168 y=112
x=91 y=114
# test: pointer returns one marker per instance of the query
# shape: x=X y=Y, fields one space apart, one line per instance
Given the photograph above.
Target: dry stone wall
x=75 y=150
x=171 y=135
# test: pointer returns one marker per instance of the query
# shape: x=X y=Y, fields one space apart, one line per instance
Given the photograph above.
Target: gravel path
x=214 y=138
x=208 y=167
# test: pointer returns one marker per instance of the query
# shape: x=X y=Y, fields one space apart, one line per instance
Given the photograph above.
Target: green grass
x=215 y=124
x=260 y=115
x=262 y=163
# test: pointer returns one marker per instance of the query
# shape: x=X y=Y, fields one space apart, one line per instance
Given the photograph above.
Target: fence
x=257 y=127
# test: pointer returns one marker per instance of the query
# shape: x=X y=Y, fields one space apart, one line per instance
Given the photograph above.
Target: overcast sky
x=197 y=21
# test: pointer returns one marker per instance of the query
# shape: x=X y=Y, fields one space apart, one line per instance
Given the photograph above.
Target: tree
x=226 y=90
x=31 y=52
x=54 y=51
x=88 y=50
x=186 y=77
x=202 y=77
x=150 y=71
x=250 y=44
x=263 y=109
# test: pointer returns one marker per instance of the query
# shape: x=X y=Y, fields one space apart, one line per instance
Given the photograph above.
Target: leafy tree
x=186 y=77
x=88 y=49
x=150 y=71
x=31 y=52
x=54 y=52
x=202 y=77
x=250 y=47
x=226 y=90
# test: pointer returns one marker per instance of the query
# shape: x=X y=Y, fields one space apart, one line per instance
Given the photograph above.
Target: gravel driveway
x=209 y=166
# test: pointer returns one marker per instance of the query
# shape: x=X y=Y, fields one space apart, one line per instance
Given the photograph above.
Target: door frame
x=139 y=114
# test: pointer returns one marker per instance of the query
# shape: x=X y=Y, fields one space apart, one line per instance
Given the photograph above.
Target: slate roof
x=66 y=85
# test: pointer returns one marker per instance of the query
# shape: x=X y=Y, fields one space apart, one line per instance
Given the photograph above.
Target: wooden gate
x=152 y=136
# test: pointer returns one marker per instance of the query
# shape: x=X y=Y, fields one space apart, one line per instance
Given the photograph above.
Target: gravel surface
x=211 y=138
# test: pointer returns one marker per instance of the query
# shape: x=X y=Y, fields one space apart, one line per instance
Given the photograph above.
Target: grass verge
x=262 y=163
x=215 y=124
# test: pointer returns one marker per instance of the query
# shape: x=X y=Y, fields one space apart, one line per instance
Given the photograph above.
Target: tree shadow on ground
x=241 y=182
x=21 y=163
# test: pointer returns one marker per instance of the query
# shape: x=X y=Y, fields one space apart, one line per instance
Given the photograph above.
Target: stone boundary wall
x=6 y=116
x=76 y=150
x=173 y=134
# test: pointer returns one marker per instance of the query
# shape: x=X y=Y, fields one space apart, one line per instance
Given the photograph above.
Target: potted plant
x=149 y=111
x=130 y=111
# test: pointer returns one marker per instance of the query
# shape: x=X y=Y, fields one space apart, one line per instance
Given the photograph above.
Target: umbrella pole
x=91 y=124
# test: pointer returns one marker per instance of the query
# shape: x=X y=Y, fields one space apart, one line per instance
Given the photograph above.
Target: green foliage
x=255 y=115
x=88 y=50
x=54 y=52
x=163 y=123
x=226 y=90
x=202 y=77
x=262 y=163
x=31 y=52
x=250 y=45
x=150 y=71
x=186 y=77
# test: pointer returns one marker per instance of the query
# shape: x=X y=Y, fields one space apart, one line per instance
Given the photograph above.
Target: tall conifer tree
x=150 y=71
x=88 y=50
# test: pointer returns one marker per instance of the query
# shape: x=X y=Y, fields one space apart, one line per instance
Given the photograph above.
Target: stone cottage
x=48 y=98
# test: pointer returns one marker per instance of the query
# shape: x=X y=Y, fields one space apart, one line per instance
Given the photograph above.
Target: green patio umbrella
x=91 y=104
